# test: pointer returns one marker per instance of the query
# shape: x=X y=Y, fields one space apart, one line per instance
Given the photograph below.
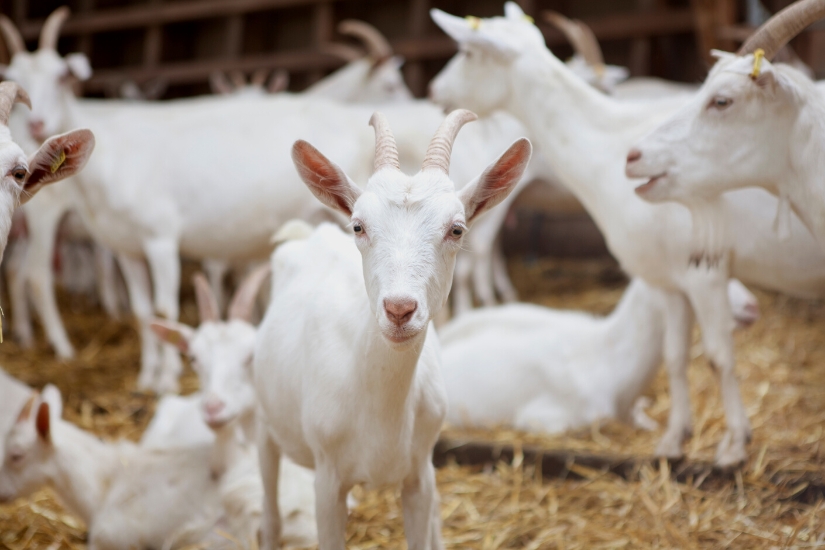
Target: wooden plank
x=414 y=70
x=234 y=36
x=199 y=71
x=322 y=33
x=161 y=14
x=558 y=463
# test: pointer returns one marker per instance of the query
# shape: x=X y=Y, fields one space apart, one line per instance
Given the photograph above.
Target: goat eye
x=19 y=173
x=357 y=228
x=456 y=231
x=16 y=457
x=719 y=102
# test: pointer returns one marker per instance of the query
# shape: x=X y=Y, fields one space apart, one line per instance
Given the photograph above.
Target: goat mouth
x=399 y=338
x=217 y=423
x=651 y=183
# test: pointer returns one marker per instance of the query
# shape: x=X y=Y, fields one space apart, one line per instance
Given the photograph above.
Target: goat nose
x=400 y=311
x=213 y=405
x=634 y=155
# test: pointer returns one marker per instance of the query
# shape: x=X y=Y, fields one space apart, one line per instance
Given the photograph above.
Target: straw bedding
x=774 y=501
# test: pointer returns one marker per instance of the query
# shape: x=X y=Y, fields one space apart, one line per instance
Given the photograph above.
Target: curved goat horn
x=238 y=79
x=783 y=26
x=574 y=32
x=342 y=51
x=386 y=151
x=208 y=309
x=14 y=41
x=219 y=83
x=11 y=93
x=243 y=302
x=259 y=78
x=51 y=28
x=377 y=45
x=441 y=146
x=279 y=82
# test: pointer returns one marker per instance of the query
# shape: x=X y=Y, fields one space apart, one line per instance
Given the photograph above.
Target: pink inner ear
x=43 y=420
x=320 y=173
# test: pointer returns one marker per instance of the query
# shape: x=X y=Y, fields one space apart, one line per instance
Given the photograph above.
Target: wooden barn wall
x=181 y=42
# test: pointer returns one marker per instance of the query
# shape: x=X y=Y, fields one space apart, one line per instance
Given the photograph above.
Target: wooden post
x=711 y=15
x=323 y=22
x=414 y=70
x=152 y=42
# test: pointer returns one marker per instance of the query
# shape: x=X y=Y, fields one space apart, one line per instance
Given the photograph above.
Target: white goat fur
x=178 y=423
x=13 y=395
x=699 y=153
x=546 y=370
x=313 y=363
x=510 y=68
x=127 y=496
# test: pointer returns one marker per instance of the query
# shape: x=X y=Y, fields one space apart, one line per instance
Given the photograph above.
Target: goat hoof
x=731 y=451
x=670 y=447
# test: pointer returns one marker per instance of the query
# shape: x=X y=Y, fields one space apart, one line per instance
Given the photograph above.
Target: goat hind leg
x=164 y=265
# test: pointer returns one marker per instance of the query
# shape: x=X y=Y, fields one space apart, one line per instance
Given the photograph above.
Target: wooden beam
x=199 y=71
x=161 y=14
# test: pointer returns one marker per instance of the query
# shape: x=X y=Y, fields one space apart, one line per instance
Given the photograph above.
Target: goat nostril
x=400 y=311
x=634 y=155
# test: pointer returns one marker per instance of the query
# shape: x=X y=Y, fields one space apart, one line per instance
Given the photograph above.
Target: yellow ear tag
x=529 y=19
x=475 y=22
x=58 y=162
x=758 y=55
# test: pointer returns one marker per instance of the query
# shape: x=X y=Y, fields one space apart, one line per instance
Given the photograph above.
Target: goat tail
x=292 y=230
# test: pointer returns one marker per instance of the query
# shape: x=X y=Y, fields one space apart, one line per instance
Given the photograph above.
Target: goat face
x=733 y=133
x=222 y=357
x=27 y=464
x=409 y=228
x=478 y=77
x=384 y=83
x=48 y=78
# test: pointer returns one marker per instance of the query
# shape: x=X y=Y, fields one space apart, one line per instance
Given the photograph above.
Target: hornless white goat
x=128 y=497
x=347 y=362
x=504 y=64
x=753 y=123
x=546 y=370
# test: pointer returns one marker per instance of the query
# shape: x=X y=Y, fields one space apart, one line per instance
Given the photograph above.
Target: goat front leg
x=678 y=326
x=164 y=264
x=422 y=518
x=140 y=300
x=40 y=278
x=14 y=264
x=501 y=278
x=269 y=457
x=330 y=507
x=709 y=297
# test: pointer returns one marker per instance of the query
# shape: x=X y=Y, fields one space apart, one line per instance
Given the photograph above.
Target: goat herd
x=344 y=381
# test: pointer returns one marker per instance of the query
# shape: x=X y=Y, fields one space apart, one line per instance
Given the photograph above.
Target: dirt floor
x=774 y=501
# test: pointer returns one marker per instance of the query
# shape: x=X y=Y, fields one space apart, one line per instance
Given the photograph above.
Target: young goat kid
x=128 y=497
x=347 y=361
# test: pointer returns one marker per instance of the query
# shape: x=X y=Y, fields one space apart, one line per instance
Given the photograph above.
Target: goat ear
x=324 y=178
x=60 y=157
x=456 y=28
x=79 y=66
x=51 y=395
x=496 y=182
x=177 y=334
x=43 y=422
